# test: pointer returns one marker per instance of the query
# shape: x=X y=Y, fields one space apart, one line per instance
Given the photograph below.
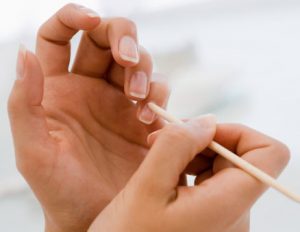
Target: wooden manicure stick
x=233 y=158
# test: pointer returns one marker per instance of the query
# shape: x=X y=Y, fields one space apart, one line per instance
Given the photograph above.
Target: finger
x=239 y=188
x=135 y=80
x=159 y=94
x=27 y=116
x=174 y=147
x=199 y=165
x=221 y=163
x=116 y=36
x=91 y=59
x=116 y=76
x=203 y=176
x=243 y=140
x=53 y=46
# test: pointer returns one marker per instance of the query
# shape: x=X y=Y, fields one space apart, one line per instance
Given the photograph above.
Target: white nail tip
x=145 y=121
x=130 y=59
x=92 y=15
x=137 y=95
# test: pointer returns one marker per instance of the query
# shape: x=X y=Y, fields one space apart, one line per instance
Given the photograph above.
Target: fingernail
x=138 y=85
x=146 y=115
x=87 y=11
x=128 y=49
x=21 y=61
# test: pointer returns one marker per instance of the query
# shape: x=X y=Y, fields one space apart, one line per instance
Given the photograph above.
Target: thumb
x=174 y=147
x=26 y=114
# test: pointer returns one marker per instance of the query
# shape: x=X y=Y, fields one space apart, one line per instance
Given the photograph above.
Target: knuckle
x=42 y=31
x=283 y=152
x=67 y=8
x=63 y=16
x=239 y=126
x=280 y=149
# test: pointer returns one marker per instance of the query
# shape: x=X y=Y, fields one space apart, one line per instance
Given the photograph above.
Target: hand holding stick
x=235 y=159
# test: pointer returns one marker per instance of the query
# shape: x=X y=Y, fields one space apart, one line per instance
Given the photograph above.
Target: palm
x=96 y=141
x=100 y=142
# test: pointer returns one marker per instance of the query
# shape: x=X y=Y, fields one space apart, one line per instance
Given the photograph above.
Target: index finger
x=53 y=46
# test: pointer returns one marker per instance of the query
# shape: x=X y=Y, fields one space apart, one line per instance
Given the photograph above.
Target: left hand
x=77 y=135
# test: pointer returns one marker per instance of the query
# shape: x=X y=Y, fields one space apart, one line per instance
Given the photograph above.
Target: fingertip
x=21 y=60
x=128 y=49
x=136 y=84
x=34 y=79
x=79 y=17
x=151 y=137
x=127 y=56
x=129 y=61
x=87 y=11
x=13 y=102
x=203 y=128
x=207 y=121
x=28 y=88
x=145 y=114
x=159 y=95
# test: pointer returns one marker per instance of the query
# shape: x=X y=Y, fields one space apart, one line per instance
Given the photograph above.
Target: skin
x=77 y=134
x=222 y=196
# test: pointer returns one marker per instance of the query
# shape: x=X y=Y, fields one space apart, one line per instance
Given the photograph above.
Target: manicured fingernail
x=87 y=11
x=146 y=115
x=21 y=61
x=138 y=85
x=128 y=49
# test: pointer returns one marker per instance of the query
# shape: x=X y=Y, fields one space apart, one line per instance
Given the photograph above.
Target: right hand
x=223 y=194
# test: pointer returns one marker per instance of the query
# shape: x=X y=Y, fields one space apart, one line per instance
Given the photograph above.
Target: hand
x=222 y=195
x=76 y=133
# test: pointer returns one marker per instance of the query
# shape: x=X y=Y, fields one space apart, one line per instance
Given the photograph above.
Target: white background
x=237 y=59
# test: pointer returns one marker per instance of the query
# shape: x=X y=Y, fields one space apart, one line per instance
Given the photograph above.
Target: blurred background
x=237 y=59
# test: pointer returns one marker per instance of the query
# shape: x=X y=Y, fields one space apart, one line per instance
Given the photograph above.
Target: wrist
x=65 y=223
x=52 y=227
x=49 y=227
